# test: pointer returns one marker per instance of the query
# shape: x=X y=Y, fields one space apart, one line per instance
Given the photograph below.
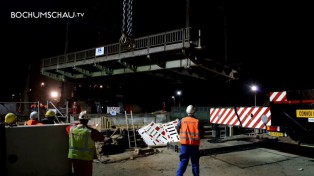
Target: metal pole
x=187 y=14
x=67 y=111
x=127 y=127
x=38 y=108
x=254 y=98
x=134 y=129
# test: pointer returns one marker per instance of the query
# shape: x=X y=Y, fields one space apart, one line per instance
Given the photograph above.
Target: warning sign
x=305 y=113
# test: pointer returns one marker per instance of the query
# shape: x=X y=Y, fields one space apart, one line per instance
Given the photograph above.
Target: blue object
x=187 y=152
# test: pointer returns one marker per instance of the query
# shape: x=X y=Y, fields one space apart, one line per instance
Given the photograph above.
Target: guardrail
x=160 y=39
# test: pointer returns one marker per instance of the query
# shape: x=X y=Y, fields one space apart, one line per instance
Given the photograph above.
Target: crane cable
x=123 y=16
x=130 y=19
x=126 y=37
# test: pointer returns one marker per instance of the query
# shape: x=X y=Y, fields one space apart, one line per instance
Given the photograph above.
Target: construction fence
x=106 y=121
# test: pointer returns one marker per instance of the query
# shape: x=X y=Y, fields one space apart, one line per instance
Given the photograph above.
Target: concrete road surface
x=242 y=161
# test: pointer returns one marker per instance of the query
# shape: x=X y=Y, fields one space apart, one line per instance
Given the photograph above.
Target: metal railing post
x=67 y=111
x=38 y=108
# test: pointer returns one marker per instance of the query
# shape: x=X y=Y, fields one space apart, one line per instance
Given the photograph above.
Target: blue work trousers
x=187 y=152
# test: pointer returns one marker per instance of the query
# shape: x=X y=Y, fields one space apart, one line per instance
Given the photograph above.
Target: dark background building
x=268 y=42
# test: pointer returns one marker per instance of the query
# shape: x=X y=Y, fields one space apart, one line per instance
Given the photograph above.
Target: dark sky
x=270 y=41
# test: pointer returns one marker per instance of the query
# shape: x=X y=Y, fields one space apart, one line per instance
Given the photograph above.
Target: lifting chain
x=126 y=37
x=130 y=19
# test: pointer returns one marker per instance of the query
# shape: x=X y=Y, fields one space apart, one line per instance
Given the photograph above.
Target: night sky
x=271 y=42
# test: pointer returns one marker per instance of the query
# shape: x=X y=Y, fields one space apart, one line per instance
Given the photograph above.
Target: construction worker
x=33 y=118
x=49 y=117
x=82 y=146
x=190 y=131
x=10 y=119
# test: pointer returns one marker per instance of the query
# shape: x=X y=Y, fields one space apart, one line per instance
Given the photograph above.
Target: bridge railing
x=160 y=39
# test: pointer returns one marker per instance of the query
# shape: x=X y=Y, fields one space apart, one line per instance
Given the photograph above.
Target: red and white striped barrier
x=146 y=137
x=171 y=132
x=154 y=134
x=247 y=117
x=278 y=96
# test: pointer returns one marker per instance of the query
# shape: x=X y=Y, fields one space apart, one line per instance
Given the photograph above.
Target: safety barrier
x=154 y=134
x=278 y=96
x=247 y=117
x=37 y=150
x=171 y=132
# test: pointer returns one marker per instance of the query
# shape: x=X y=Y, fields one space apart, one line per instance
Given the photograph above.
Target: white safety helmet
x=33 y=115
x=190 y=110
x=83 y=115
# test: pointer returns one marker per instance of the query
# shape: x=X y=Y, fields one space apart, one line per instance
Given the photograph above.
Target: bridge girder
x=172 y=53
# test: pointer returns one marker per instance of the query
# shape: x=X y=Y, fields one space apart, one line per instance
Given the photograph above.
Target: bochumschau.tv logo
x=50 y=14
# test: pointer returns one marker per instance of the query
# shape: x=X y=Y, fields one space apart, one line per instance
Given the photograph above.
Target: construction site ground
x=164 y=160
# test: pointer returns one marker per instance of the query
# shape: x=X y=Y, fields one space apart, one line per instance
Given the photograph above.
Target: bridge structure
x=170 y=55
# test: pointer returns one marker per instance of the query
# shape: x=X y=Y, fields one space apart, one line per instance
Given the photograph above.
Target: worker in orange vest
x=33 y=118
x=190 y=132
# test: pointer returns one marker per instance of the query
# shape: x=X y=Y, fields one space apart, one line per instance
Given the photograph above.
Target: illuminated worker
x=82 y=149
x=33 y=118
x=50 y=117
x=190 y=131
x=10 y=119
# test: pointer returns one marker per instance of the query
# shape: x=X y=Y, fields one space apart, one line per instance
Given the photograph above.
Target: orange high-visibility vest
x=32 y=122
x=189 y=132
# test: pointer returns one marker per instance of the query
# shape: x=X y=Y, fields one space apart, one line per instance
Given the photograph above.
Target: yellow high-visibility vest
x=81 y=145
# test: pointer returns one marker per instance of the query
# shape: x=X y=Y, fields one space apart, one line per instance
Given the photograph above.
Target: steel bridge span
x=170 y=55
